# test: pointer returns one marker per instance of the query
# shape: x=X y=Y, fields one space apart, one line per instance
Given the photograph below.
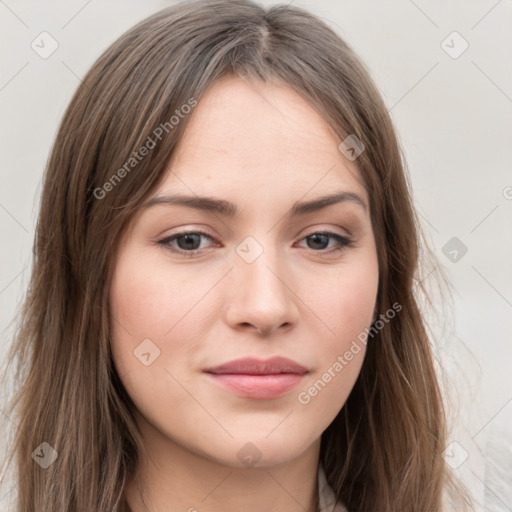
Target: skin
x=263 y=148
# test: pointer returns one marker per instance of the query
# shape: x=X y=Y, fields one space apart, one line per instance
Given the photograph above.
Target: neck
x=171 y=477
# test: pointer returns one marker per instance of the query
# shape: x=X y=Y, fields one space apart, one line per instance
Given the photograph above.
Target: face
x=235 y=318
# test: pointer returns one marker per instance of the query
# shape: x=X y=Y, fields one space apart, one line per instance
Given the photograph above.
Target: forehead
x=252 y=137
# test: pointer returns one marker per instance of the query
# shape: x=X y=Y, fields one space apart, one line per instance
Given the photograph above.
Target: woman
x=221 y=314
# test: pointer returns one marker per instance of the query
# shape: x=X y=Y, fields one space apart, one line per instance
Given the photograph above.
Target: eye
x=187 y=243
x=320 y=241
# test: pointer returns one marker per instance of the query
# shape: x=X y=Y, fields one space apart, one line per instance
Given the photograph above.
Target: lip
x=258 y=379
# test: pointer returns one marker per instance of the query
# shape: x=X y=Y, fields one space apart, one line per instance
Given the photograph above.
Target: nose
x=261 y=297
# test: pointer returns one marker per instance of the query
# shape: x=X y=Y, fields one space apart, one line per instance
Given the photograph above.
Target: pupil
x=323 y=240
x=191 y=241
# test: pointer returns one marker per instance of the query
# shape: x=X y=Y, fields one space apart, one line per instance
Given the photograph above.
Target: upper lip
x=253 y=366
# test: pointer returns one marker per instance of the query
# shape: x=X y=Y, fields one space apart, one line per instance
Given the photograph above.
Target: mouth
x=258 y=379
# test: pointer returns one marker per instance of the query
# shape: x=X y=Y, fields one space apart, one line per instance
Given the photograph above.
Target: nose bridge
x=261 y=295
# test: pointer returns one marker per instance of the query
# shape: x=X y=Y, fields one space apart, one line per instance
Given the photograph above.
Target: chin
x=259 y=450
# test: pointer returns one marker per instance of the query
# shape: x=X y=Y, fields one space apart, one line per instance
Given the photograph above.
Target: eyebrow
x=228 y=209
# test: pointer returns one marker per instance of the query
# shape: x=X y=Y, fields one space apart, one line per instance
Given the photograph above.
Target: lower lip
x=258 y=386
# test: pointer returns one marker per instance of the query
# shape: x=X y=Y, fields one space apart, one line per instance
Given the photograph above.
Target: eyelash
x=343 y=241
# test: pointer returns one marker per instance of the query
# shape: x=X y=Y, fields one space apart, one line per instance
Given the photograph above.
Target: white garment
x=326 y=496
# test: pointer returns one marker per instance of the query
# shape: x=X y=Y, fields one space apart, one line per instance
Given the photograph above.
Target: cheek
x=144 y=305
x=151 y=301
x=347 y=307
x=344 y=301
x=166 y=304
x=151 y=308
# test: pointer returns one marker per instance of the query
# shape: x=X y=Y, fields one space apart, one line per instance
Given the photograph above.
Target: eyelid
x=326 y=230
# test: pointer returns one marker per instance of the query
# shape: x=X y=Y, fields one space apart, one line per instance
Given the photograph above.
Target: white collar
x=326 y=496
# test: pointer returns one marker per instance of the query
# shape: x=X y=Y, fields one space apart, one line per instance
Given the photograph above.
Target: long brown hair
x=383 y=452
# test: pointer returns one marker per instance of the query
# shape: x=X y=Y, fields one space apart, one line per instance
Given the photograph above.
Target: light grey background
x=453 y=117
